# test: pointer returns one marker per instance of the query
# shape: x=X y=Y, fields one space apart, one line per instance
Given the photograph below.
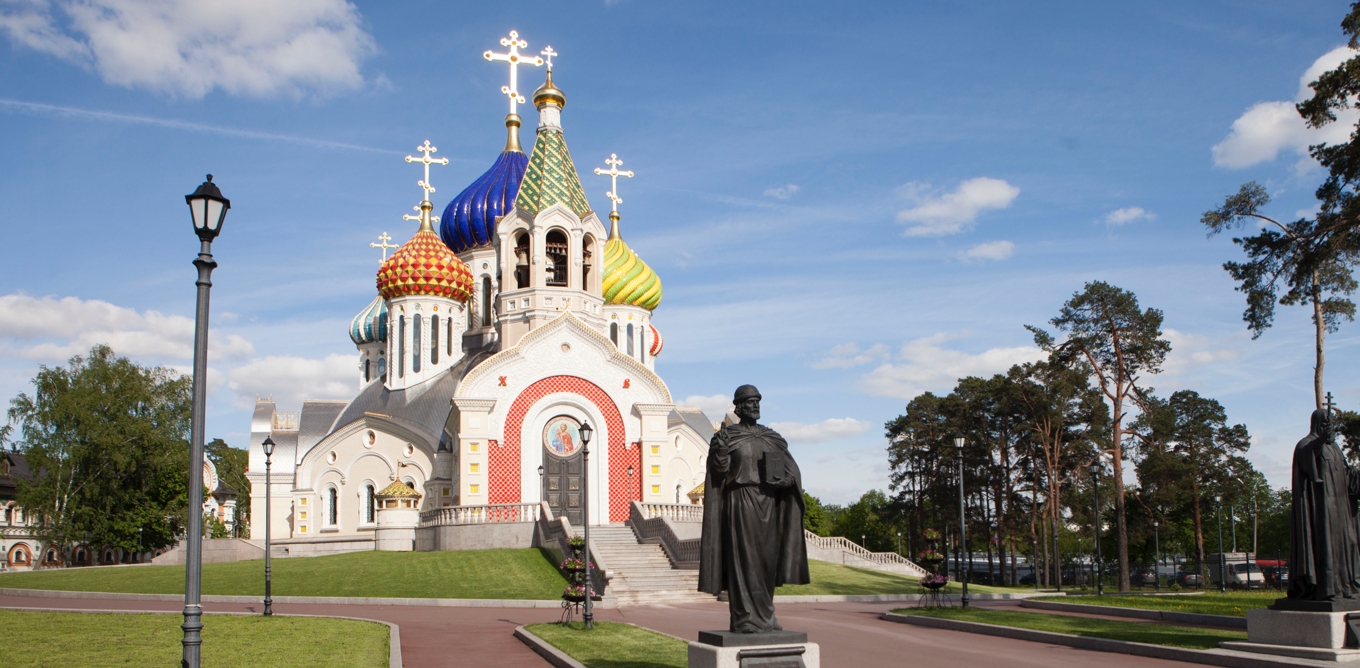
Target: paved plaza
x=850 y=634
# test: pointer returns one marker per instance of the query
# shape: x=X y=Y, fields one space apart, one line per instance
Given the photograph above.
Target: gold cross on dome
x=614 y=173
x=515 y=59
x=548 y=54
x=384 y=245
x=427 y=161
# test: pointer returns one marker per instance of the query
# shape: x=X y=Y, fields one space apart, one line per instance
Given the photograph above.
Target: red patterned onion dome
x=425 y=266
x=657 y=342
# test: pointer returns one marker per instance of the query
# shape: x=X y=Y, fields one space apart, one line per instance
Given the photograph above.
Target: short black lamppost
x=899 y=543
x=1223 y=561
x=1156 y=556
x=268 y=447
x=586 y=432
x=1095 y=488
x=963 y=527
x=209 y=209
x=542 y=486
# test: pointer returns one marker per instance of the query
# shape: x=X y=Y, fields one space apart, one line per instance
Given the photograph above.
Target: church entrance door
x=562 y=468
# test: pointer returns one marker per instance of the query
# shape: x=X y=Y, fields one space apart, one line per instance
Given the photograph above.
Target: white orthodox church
x=499 y=329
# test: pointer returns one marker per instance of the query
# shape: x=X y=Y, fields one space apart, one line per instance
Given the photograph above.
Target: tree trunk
x=1199 y=526
x=1320 y=329
x=1122 y=529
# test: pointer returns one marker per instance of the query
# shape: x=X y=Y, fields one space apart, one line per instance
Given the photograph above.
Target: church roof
x=397 y=489
x=551 y=177
x=627 y=280
x=469 y=220
x=424 y=266
x=371 y=324
x=693 y=417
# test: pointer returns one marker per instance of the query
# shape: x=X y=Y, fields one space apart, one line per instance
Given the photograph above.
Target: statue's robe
x=1324 y=551
x=753 y=524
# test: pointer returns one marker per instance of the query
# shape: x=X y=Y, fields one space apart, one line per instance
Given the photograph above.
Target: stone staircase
x=642 y=575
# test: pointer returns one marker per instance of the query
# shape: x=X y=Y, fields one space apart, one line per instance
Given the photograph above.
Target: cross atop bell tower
x=515 y=59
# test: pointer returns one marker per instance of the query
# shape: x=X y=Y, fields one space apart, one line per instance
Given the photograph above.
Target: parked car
x=1143 y=578
x=1189 y=579
x=1247 y=576
x=1275 y=575
x=1027 y=580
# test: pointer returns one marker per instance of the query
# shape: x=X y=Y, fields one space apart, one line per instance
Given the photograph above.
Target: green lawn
x=1157 y=634
x=62 y=639
x=837 y=579
x=1233 y=604
x=503 y=574
x=611 y=645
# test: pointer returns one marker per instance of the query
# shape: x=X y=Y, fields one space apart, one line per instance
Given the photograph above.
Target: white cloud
x=783 y=192
x=992 y=250
x=848 y=355
x=291 y=379
x=256 y=48
x=1267 y=128
x=924 y=365
x=1128 y=215
x=797 y=433
x=715 y=406
x=51 y=329
x=1191 y=350
x=938 y=214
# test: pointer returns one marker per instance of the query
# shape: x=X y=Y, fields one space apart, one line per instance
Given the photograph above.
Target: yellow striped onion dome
x=627 y=280
x=397 y=489
x=425 y=266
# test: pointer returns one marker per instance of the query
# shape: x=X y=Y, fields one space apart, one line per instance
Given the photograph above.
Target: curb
x=393 y=631
x=1215 y=657
x=1224 y=621
x=896 y=598
x=553 y=655
x=299 y=600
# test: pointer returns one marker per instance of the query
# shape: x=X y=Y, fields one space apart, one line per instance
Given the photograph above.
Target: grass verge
x=501 y=574
x=837 y=579
x=62 y=639
x=612 y=645
x=1232 y=604
x=1156 y=634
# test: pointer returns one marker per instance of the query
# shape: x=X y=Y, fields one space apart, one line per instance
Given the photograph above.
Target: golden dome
x=397 y=489
x=548 y=93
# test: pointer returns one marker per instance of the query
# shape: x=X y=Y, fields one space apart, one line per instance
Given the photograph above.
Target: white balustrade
x=675 y=512
x=500 y=513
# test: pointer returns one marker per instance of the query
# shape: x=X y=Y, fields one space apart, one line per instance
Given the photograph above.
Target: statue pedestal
x=1308 y=635
x=777 y=649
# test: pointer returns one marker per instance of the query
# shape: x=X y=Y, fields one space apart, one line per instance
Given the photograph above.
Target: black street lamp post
x=963 y=527
x=1156 y=556
x=1222 y=560
x=268 y=447
x=1099 y=567
x=586 y=432
x=209 y=209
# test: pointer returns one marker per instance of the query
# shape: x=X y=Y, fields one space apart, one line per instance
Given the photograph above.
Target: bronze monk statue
x=1324 y=550
x=753 y=518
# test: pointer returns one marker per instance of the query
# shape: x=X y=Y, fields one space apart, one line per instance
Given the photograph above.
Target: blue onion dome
x=469 y=220
x=371 y=324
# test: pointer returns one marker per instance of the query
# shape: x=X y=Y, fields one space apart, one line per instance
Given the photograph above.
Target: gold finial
x=515 y=59
x=512 y=133
x=549 y=93
x=614 y=173
x=426 y=220
x=614 y=225
x=384 y=245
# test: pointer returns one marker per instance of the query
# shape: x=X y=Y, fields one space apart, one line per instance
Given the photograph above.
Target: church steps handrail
x=554 y=533
x=675 y=512
x=841 y=543
x=652 y=522
x=496 y=513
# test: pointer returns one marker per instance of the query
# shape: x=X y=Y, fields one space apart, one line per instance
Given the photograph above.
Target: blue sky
x=848 y=203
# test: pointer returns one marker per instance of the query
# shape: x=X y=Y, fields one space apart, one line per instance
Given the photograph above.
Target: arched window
x=486 y=301
x=557 y=259
x=333 y=504
x=368 y=504
x=630 y=339
x=434 y=339
x=7 y=514
x=614 y=332
x=382 y=366
x=448 y=340
x=677 y=493
x=587 y=252
x=642 y=344
x=415 y=343
x=401 y=346
x=522 y=251
x=368 y=368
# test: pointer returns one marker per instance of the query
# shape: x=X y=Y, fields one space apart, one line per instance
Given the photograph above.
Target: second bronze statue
x=753 y=518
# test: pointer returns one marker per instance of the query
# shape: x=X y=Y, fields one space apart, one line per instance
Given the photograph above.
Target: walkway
x=850 y=634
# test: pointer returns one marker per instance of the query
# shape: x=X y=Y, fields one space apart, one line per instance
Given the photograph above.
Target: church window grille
x=332 y=506
x=557 y=259
x=614 y=332
x=448 y=339
x=368 y=504
x=368 y=370
x=401 y=346
x=434 y=339
x=486 y=301
x=415 y=343
x=630 y=339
